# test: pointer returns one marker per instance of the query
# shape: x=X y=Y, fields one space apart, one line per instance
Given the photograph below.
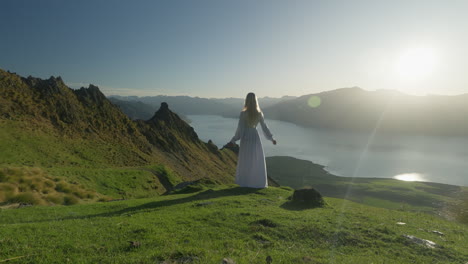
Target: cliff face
x=85 y=118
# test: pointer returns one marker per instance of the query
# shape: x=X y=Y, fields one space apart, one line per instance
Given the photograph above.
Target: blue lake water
x=403 y=157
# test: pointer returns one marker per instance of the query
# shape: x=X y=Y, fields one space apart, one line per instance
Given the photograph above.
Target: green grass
x=246 y=225
x=34 y=186
x=166 y=174
x=119 y=183
x=23 y=144
x=67 y=185
x=112 y=171
x=387 y=193
x=115 y=168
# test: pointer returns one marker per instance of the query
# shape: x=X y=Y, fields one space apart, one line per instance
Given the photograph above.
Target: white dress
x=251 y=169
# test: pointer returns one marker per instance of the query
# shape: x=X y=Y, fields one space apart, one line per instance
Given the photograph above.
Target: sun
x=416 y=64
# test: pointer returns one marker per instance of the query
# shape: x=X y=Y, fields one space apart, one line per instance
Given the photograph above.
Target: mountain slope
x=81 y=135
x=354 y=109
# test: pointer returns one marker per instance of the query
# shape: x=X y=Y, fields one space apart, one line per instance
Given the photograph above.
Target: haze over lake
x=419 y=158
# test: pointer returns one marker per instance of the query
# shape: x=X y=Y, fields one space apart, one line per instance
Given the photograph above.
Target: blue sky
x=226 y=48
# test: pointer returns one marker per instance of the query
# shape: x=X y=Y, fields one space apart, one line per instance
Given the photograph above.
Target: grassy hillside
x=245 y=225
x=80 y=136
x=441 y=199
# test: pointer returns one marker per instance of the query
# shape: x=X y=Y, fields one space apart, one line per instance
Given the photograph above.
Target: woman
x=251 y=169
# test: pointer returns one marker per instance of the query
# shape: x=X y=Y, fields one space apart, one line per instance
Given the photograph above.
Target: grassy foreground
x=245 y=225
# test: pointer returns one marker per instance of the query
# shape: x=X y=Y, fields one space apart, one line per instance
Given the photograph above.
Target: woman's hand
x=274 y=142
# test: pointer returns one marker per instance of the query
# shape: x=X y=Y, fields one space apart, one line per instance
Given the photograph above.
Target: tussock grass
x=34 y=186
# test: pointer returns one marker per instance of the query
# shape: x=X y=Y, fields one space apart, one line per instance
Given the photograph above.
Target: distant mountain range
x=143 y=107
x=346 y=109
x=385 y=111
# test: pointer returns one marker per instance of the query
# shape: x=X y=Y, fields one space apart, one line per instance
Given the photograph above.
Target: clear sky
x=221 y=48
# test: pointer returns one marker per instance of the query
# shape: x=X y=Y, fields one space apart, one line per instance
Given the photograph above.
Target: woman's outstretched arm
x=239 y=130
x=266 y=130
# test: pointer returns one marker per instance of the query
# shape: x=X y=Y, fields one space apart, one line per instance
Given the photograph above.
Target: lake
x=403 y=157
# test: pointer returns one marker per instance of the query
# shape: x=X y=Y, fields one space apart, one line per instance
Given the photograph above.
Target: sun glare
x=416 y=64
x=409 y=177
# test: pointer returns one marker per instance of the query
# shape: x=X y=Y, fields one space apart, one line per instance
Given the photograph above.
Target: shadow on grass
x=205 y=195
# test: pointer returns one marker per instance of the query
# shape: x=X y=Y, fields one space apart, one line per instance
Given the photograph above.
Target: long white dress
x=251 y=169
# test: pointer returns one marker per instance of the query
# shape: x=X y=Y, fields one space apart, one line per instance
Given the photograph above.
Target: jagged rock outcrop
x=212 y=147
x=167 y=131
x=168 y=119
x=91 y=95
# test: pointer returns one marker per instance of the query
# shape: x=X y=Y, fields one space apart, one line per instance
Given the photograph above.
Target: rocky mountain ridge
x=73 y=119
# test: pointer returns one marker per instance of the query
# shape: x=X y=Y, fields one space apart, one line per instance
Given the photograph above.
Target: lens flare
x=314 y=101
x=409 y=177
